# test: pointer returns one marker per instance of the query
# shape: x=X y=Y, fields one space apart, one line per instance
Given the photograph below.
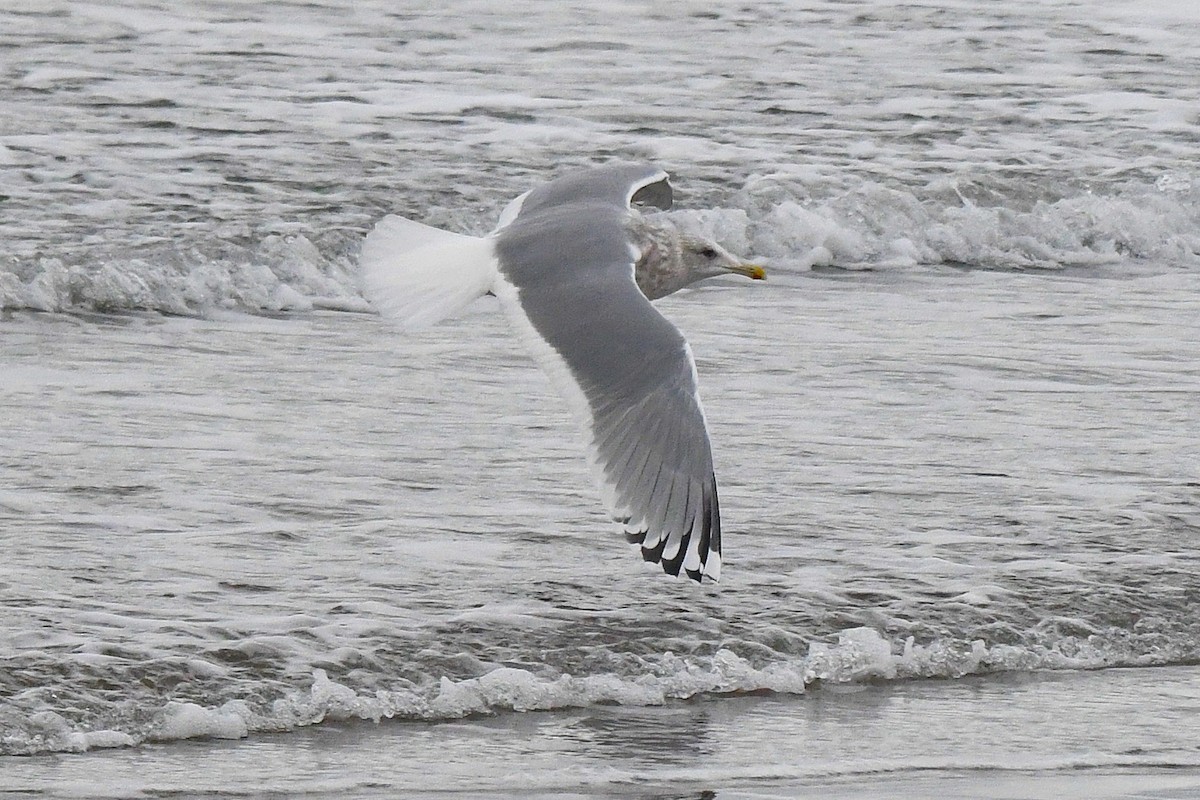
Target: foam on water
x=1000 y=737
x=852 y=656
x=208 y=159
x=195 y=550
x=869 y=226
x=221 y=526
x=282 y=273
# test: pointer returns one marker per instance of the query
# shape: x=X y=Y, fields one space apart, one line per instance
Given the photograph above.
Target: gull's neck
x=659 y=269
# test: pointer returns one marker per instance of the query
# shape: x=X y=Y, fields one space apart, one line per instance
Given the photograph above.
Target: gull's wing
x=566 y=280
x=614 y=184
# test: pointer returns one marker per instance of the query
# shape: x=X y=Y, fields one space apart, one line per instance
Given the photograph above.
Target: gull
x=575 y=265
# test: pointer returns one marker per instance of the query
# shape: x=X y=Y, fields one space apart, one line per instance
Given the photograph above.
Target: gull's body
x=575 y=268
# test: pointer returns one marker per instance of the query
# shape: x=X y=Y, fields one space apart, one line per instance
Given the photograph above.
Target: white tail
x=416 y=275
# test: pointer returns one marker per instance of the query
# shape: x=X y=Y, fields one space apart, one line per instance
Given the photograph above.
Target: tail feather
x=417 y=275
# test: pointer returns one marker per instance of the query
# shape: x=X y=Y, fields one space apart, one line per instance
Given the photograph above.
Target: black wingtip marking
x=714 y=541
x=671 y=566
x=706 y=526
x=653 y=554
x=709 y=533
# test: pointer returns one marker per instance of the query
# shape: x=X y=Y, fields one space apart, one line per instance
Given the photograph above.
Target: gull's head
x=670 y=259
x=706 y=259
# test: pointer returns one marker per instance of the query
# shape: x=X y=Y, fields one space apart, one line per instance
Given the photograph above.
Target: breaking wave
x=853 y=656
x=779 y=219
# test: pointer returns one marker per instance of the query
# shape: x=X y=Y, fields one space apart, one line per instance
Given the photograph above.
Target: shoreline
x=1032 y=736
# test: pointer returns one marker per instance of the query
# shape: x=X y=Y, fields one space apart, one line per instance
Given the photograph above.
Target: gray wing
x=619 y=185
x=567 y=282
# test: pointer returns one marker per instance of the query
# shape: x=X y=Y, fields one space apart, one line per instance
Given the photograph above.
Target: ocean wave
x=853 y=656
x=283 y=273
x=784 y=221
x=869 y=225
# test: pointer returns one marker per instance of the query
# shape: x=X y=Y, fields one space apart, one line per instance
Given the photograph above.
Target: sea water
x=955 y=431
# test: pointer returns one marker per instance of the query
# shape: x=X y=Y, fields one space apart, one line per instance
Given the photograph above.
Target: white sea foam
x=157 y=178
x=320 y=546
x=50 y=731
x=868 y=227
x=227 y=525
x=853 y=656
x=191 y=721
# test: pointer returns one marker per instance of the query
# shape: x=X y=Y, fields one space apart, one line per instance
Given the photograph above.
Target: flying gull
x=575 y=266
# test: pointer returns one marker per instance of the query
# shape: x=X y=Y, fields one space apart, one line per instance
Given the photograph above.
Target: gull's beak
x=752 y=271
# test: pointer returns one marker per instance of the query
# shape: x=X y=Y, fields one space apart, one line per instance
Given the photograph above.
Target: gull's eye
x=708 y=252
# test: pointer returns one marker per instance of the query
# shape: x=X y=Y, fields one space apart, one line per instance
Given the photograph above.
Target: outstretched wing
x=566 y=280
x=622 y=185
